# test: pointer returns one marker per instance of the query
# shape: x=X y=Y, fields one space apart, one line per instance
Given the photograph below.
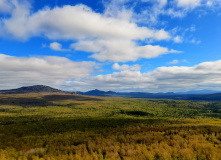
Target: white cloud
x=188 y=3
x=107 y=37
x=57 y=46
x=178 y=39
x=117 y=9
x=150 y=15
x=175 y=61
x=205 y=75
x=173 y=8
x=5 y=6
x=120 y=50
x=175 y=13
x=123 y=67
x=184 y=35
x=50 y=70
x=209 y=3
x=214 y=3
x=84 y=23
x=194 y=41
x=15 y=25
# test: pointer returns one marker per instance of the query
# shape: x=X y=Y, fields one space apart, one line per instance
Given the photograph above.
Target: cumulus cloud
x=135 y=67
x=15 y=25
x=84 y=23
x=57 y=46
x=120 y=50
x=50 y=70
x=205 y=75
x=108 y=37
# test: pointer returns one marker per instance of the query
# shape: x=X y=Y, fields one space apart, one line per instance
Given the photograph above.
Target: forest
x=61 y=126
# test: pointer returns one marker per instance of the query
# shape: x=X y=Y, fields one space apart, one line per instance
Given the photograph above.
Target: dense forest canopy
x=66 y=126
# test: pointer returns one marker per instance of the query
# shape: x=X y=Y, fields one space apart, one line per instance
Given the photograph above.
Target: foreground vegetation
x=62 y=126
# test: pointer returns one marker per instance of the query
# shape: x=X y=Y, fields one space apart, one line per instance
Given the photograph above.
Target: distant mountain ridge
x=205 y=91
x=30 y=89
x=98 y=93
x=207 y=95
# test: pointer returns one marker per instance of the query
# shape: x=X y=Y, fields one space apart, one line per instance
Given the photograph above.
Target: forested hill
x=30 y=89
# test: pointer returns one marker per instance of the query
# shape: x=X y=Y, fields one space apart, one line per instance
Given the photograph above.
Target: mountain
x=206 y=97
x=191 y=95
x=205 y=91
x=97 y=92
x=30 y=89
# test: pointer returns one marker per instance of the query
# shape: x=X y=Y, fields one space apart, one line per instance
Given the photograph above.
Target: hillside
x=30 y=89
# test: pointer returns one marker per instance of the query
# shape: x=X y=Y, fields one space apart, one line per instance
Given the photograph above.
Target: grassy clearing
x=81 y=127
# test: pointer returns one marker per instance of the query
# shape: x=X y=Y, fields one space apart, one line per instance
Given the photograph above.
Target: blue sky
x=119 y=45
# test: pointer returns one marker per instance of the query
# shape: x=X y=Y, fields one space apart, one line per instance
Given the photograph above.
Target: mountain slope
x=30 y=89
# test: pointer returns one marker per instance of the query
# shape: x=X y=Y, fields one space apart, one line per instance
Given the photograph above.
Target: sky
x=119 y=45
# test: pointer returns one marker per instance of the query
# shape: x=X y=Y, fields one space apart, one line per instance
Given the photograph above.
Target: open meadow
x=73 y=127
